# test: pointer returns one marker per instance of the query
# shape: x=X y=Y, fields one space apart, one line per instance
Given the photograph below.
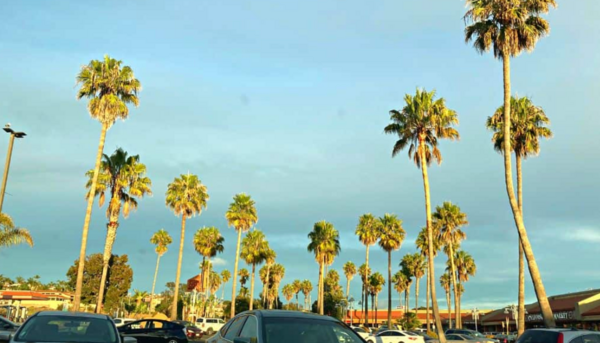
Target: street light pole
x=475 y=315
x=13 y=134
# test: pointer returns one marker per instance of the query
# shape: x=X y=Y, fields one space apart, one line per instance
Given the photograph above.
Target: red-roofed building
x=380 y=316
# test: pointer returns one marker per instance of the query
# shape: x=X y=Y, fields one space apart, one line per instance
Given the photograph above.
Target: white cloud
x=217 y=261
x=590 y=235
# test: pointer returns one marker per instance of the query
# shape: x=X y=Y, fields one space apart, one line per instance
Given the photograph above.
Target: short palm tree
x=225 y=276
x=448 y=219
x=420 y=125
x=125 y=178
x=349 y=271
x=391 y=237
x=377 y=281
x=465 y=268
x=254 y=249
x=446 y=283
x=139 y=296
x=277 y=274
x=364 y=272
x=418 y=272
x=11 y=235
x=110 y=88
x=367 y=231
x=511 y=27
x=422 y=244
x=186 y=196
x=297 y=286
x=409 y=264
x=208 y=242
x=243 y=274
x=242 y=216
x=288 y=292
x=306 y=289
x=400 y=281
x=270 y=257
x=528 y=125
x=162 y=240
x=324 y=243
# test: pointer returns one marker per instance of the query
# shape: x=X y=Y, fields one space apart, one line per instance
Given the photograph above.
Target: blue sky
x=287 y=101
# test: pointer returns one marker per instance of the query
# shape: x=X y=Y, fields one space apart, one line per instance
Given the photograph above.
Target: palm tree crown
x=391 y=233
x=367 y=229
x=162 y=240
x=448 y=219
x=465 y=265
x=242 y=212
x=208 y=242
x=254 y=247
x=349 y=270
x=324 y=239
x=11 y=235
x=186 y=195
x=422 y=241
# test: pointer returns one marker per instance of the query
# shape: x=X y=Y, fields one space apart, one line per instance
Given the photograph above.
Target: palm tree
x=367 y=231
x=511 y=27
x=297 y=286
x=377 y=281
x=242 y=216
x=254 y=249
x=408 y=263
x=306 y=289
x=125 y=178
x=214 y=283
x=264 y=272
x=423 y=245
x=465 y=268
x=208 y=242
x=418 y=272
x=110 y=89
x=186 y=196
x=446 y=283
x=139 y=296
x=288 y=292
x=363 y=272
x=528 y=125
x=390 y=238
x=349 y=271
x=162 y=240
x=11 y=235
x=324 y=243
x=244 y=274
x=449 y=219
x=225 y=276
x=421 y=124
x=401 y=281
x=277 y=274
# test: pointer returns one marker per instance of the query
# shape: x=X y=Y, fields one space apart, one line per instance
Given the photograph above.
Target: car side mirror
x=5 y=337
x=129 y=339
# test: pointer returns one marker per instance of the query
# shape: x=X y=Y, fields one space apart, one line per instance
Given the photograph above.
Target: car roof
x=72 y=314
x=288 y=314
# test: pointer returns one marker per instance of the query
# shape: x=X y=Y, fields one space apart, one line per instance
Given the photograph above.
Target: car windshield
x=67 y=329
x=476 y=334
x=538 y=336
x=300 y=330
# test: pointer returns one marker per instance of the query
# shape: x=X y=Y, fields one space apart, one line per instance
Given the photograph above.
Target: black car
x=154 y=331
x=6 y=326
x=58 y=326
x=276 y=326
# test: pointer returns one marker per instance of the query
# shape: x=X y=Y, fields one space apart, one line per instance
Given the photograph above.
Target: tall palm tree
x=270 y=256
x=422 y=244
x=367 y=231
x=511 y=27
x=306 y=289
x=391 y=237
x=349 y=271
x=208 y=242
x=465 y=268
x=528 y=125
x=110 y=88
x=11 y=235
x=242 y=216
x=421 y=124
x=408 y=263
x=162 y=240
x=324 y=243
x=186 y=196
x=288 y=292
x=376 y=281
x=297 y=287
x=400 y=281
x=225 y=276
x=254 y=249
x=449 y=219
x=446 y=283
x=125 y=178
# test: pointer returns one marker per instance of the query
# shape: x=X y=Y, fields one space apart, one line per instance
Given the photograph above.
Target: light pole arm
x=6 y=168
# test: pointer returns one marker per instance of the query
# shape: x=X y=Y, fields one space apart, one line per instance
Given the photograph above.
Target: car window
x=452 y=337
x=211 y=320
x=538 y=336
x=221 y=321
x=67 y=329
x=304 y=330
x=250 y=329
x=200 y=320
x=591 y=338
x=224 y=328
x=154 y=324
x=361 y=330
x=136 y=325
x=234 y=328
x=117 y=321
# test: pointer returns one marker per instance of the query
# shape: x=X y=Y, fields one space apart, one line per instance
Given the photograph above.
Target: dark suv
x=472 y=333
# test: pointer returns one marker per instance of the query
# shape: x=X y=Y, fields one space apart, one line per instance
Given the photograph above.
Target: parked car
x=559 y=336
x=192 y=332
x=59 y=326
x=7 y=327
x=277 y=326
x=460 y=338
x=395 y=336
x=361 y=332
x=491 y=334
x=385 y=328
x=480 y=337
x=426 y=337
x=154 y=331
x=122 y=321
x=209 y=325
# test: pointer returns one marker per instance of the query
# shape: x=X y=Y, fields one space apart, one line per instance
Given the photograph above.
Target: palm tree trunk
x=235 y=273
x=454 y=290
x=389 y=316
x=223 y=294
x=521 y=303
x=534 y=271
x=459 y=318
x=449 y=309
x=322 y=289
x=436 y=311
x=252 y=287
x=111 y=234
x=408 y=299
x=266 y=286
x=347 y=287
x=427 y=301
x=417 y=295
x=178 y=274
x=406 y=303
x=154 y=283
x=367 y=288
x=86 y=221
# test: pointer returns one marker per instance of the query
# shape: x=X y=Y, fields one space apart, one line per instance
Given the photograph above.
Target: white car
x=122 y=321
x=395 y=336
x=361 y=332
x=209 y=325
